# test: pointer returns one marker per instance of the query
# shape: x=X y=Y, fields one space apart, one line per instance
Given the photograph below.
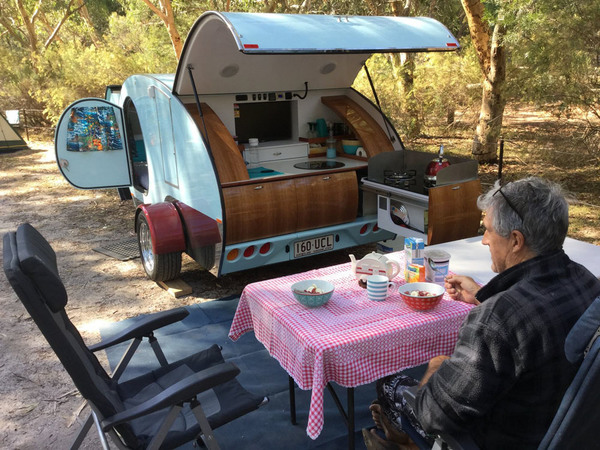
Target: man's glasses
x=509 y=203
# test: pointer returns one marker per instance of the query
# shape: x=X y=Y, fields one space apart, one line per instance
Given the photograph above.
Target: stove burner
x=399 y=179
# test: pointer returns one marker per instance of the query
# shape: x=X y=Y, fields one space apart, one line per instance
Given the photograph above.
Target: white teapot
x=374 y=264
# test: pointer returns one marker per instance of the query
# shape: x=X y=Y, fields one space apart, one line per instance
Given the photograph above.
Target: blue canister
x=322 y=128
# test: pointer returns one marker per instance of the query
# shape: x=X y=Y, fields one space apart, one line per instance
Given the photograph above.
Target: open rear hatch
x=241 y=52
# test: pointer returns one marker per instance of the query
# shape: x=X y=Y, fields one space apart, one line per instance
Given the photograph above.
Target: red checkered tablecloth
x=350 y=340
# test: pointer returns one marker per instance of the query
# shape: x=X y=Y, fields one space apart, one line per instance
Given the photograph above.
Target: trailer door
x=91 y=145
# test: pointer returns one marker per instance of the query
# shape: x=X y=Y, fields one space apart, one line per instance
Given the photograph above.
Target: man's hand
x=432 y=367
x=462 y=288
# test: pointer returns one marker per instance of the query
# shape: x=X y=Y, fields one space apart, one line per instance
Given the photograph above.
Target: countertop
x=286 y=166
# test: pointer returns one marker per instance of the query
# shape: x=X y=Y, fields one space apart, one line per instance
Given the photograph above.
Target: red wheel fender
x=200 y=229
x=166 y=229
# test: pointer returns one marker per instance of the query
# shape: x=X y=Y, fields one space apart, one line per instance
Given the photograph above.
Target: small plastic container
x=331 y=150
x=252 y=156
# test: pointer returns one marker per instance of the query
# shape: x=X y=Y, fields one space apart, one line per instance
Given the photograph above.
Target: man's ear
x=517 y=241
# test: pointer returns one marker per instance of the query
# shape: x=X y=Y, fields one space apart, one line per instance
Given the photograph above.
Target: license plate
x=312 y=246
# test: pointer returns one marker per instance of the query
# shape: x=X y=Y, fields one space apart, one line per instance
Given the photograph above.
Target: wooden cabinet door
x=259 y=210
x=453 y=212
x=326 y=199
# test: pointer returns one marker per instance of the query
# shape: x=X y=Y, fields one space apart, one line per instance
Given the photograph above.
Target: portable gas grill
x=402 y=196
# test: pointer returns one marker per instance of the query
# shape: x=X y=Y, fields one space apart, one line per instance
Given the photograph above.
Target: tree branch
x=68 y=13
x=10 y=29
x=155 y=10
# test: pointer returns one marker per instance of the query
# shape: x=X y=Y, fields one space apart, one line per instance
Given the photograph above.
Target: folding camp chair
x=177 y=403
x=576 y=422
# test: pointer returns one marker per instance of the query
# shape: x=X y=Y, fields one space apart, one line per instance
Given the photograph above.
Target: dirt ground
x=39 y=406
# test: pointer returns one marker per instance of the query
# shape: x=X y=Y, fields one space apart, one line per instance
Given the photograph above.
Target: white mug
x=379 y=287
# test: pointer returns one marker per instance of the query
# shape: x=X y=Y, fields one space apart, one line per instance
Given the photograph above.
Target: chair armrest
x=142 y=328
x=178 y=393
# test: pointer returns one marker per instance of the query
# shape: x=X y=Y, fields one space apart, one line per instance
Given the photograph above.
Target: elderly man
x=508 y=372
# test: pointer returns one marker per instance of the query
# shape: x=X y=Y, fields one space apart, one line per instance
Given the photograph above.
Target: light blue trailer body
x=151 y=137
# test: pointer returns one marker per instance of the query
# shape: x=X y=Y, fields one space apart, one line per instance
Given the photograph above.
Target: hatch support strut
x=190 y=68
x=391 y=136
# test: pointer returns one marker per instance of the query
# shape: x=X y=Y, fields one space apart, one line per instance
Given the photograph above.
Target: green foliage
x=442 y=81
x=553 y=49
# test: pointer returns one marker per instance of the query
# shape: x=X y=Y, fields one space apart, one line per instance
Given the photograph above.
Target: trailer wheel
x=158 y=267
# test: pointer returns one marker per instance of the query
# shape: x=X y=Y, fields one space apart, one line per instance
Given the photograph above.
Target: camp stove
x=402 y=197
x=399 y=179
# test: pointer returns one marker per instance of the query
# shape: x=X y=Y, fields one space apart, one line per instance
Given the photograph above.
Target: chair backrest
x=577 y=421
x=30 y=266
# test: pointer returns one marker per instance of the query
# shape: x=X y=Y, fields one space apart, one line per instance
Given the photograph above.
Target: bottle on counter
x=252 y=150
x=331 y=148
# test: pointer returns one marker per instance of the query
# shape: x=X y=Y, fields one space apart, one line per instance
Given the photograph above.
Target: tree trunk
x=403 y=68
x=493 y=101
x=492 y=61
x=28 y=22
x=83 y=11
x=166 y=15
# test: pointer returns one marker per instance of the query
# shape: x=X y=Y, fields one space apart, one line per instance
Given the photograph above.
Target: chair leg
x=101 y=434
x=207 y=434
x=158 y=351
x=162 y=432
x=85 y=428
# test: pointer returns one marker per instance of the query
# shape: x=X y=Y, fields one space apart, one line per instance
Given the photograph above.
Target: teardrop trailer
x=180 y=142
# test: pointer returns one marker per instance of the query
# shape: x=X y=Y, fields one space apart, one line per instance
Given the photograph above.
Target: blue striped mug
x=379 y=287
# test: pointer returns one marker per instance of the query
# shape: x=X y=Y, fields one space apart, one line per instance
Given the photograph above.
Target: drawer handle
x=277 y=154
x=257 y=188
x=326 y=178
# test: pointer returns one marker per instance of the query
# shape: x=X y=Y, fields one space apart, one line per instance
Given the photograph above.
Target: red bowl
x=422 y=303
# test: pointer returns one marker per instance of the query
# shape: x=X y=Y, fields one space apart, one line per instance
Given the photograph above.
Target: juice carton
x=413 y=253
x=416 y=273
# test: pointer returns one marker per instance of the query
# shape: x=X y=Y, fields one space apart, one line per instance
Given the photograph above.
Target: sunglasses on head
x=512 y=206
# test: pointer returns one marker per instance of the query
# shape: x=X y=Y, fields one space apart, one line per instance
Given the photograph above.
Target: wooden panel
x=228 y=158
x=453 y=212
x=259 y=210
x=326 y=199
x=373 y=138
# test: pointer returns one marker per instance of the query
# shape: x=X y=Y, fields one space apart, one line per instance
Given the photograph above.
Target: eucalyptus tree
x=555 y=57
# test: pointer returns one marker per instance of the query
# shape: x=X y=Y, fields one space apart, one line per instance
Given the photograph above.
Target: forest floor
x=39 y=406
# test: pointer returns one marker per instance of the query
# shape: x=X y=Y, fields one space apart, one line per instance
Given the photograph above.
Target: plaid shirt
x=508 y=372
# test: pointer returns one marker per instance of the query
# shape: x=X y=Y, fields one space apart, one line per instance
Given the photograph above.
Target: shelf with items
x=318 y=146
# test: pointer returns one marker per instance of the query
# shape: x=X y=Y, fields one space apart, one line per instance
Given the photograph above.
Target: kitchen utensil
x=350 y=146
x=374 y=264
x=436 y=265
x=322 y=130
x=379 y=287
x=422 y=302
x=302 y=292
x=434 y=167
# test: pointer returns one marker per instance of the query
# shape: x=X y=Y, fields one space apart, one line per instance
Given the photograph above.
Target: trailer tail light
x=249 y=251
x=375 y=228
x=264 y=249
x=364 y=229
x=233 y=254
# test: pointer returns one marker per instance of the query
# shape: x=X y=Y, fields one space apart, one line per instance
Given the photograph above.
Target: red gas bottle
x=434 y=167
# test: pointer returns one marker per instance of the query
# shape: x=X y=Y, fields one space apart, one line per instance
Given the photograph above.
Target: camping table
x=350 y=341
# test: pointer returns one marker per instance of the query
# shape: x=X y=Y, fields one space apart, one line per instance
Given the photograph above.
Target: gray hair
x=537 y=208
